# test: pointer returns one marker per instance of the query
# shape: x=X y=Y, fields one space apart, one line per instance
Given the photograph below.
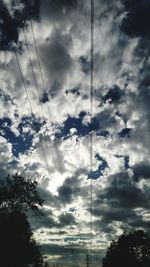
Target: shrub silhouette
x=17 y=245
x=130 y=250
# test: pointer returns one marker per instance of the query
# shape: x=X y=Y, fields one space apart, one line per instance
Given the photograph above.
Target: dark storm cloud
x=124 y=192
x=118 y=201
x=144 y=97
x=141 y=171
x=111 y=215
x=57 y=10
x=72 y=188
x=140 y=223
x=48 y=197
x=137 y=19
x=8 y=28
x=31 y=9
x=45 y=221
x=57 y=59
x=69 y=190
x=66 y=219
x=11 y=23
x=60 y=250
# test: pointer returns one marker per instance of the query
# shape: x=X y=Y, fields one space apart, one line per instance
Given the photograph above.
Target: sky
x=46 y=122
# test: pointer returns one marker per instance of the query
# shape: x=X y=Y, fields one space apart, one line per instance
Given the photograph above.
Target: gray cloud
x=45 y=221
x=48 y=197
x=118 y=202
x=57 y=10
x=69 y=190
x=57 y=59
x=66 y=219
x=72 y=188
x=141 y=171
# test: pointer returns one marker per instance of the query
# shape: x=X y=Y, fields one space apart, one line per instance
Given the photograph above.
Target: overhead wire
x=91 y=120
x=42 y=80
x=91 y=96
x=34 y=76
x=28 y=99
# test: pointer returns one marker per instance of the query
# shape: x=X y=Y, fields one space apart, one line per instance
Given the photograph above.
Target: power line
x=34 y=76
x=42 y=80
x=26 y=91
x=91 y=121
x=23 y=80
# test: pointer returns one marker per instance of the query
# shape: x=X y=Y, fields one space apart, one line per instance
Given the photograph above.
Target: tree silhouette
x=130 y=250
x=17 y=245
x=19 y=194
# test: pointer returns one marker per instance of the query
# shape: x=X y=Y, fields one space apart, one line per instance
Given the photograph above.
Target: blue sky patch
x=113 y=95
x=23 y=142
x=74 y=238
x=103 y=133
x=125 y=132
x=101 y=168
x=76 y=123
x=81 y=128
x=44 y=98
x=74 y=91
x=126 y=161
x=31 y=122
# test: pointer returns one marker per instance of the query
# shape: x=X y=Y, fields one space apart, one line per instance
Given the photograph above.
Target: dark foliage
x=130 y=250
x=17 y=246
x=19 y=194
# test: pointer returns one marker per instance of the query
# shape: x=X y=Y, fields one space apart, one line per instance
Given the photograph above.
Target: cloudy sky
x=45 y=118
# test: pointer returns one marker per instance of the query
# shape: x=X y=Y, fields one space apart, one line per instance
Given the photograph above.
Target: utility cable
x=34 y=77
x=91 y=121
x=28 y=99
x=42 y=80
